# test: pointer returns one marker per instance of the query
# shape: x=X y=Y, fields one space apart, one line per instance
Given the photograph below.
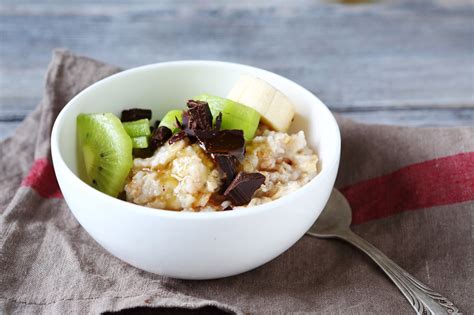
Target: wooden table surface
x=389 y=61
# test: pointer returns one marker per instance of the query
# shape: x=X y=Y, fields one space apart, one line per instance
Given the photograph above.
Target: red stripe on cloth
x=43 y=179
x=427 y=184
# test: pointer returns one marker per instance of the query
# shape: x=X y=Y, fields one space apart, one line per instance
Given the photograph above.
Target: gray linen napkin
x=412 y=193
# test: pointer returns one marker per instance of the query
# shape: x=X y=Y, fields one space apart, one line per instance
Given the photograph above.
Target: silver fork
x=334 y=222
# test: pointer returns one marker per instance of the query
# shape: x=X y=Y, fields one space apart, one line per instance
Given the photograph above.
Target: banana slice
x=276 y=109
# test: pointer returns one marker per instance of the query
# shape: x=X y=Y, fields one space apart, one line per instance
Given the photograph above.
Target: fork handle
x=423 y=299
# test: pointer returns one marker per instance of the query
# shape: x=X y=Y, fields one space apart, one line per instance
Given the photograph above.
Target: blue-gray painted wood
x=383 y=58
x=416 y=117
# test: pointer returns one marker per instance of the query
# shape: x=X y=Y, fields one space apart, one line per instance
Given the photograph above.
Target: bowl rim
x=115 y=203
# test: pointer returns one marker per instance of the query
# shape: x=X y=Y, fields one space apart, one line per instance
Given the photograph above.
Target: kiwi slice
x=106 y=152
x=137 y=128
x=169 y=120
x=234 y=115
x=140 y=142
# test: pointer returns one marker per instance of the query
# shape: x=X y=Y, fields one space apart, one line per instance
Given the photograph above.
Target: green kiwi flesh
x=140 y=142
x=106 y=150
x=137 y=128
x=169 y=120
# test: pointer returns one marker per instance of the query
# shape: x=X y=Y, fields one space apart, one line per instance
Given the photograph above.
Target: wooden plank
x=389 y=54
x=414 y=117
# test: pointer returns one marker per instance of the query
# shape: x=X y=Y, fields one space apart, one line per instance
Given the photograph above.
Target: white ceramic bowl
x=183 y=244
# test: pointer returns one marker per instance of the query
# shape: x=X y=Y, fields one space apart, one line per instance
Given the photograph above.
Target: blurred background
x=390 y=61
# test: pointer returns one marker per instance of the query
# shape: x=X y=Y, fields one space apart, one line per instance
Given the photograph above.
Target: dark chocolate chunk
x=193 y=103
x=135 y=114
x=185 y=124
x=228 y=142
x=199 y=116
x=242 y=188
x=122 y=195
x=178 y=123
x=159 y=136
x=216 y=199
x=228 y=165
x=143 y=153
x=177 y=136
x=218 y=121
x=156 y=124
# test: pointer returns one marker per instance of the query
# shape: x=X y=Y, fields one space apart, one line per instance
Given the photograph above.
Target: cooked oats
x=181 y=176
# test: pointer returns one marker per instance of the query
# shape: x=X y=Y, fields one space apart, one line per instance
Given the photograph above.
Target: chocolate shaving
x=199 y=116
x=185 y=123
x=224 y=142
x=176 y=137
x=135 y=114
x=178 y=123
x=218 y=121
x=228 y=165
x=242 y=188
x=159 y=137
